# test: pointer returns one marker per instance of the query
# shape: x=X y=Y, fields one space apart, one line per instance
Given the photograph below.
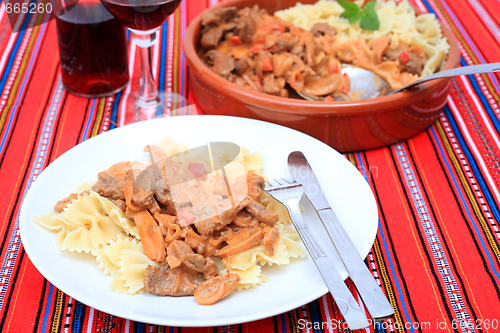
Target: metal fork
x=289 y=193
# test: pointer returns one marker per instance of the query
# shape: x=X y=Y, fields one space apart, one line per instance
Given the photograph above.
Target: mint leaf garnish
x=369 y=6
x=349 y=6
x=369 y=24
x=369 y=21
x=354 y=18
x=368 y=15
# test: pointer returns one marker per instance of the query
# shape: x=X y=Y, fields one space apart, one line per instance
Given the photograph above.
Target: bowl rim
x=310 y=108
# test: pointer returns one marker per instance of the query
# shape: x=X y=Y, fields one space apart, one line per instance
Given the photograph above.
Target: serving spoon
x=366 y=84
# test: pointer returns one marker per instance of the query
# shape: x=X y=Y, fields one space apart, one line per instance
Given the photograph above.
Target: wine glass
x=144 y=18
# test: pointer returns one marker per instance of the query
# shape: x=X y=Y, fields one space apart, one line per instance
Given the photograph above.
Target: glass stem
x=148 y=93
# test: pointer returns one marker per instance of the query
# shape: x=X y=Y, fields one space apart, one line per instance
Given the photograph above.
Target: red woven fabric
x=436 y=255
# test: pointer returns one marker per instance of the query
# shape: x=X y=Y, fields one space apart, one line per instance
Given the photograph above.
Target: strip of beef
x=164 y=197
x=121 y=204
x=61 y=204
x=217 y=222
x=261 y=213
x=109 y=186
x=241 y=66
x=149 y=185
x=414 y=60
x=254 y=182
x=165 y=281
x=322 y=29
x=283 y=45
x=144 y=199
x=246 y=24
x=179 y=253
x=220 y=63
x=211 y=38
x=218 y=16
x=416 y=63
x=271 y=235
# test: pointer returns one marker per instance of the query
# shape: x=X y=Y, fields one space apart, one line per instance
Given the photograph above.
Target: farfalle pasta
x=249 y=278
x=398 y=21
x=133 y=266
x=125 y=261
x=159 y=227
x=86 y=224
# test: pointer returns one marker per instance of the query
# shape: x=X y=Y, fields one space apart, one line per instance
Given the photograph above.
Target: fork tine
x=288 y=180
x=271 y=184
x=279 y=181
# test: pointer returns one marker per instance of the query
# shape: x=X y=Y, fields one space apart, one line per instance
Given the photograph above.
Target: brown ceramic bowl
x=346 y=126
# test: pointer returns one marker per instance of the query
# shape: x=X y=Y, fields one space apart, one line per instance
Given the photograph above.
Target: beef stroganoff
x=301 y=49
x=173 y=228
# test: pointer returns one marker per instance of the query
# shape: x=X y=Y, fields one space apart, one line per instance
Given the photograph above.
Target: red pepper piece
x=256 y=48
x=404 y=57
x=186 y=216
x=273 y=26
x=267 y=65
x=236 y=40
x=334 y=67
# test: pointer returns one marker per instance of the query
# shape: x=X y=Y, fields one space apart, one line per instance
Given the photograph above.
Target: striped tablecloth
x=436 y=255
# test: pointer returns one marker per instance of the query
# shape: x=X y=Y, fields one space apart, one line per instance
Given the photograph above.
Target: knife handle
x=353 y=314
x=375 y=301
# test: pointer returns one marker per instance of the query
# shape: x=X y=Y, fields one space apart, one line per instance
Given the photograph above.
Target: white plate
x=290 y=286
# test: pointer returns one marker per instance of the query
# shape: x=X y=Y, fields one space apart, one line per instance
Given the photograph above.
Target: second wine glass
x=143 y=18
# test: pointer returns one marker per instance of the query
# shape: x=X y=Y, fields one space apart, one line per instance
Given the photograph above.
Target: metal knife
x=374 y=299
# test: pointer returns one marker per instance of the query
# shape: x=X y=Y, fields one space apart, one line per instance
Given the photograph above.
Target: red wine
x=150 y=15
x=93 y=50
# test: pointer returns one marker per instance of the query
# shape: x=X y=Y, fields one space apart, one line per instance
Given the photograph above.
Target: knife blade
x=374 y=299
